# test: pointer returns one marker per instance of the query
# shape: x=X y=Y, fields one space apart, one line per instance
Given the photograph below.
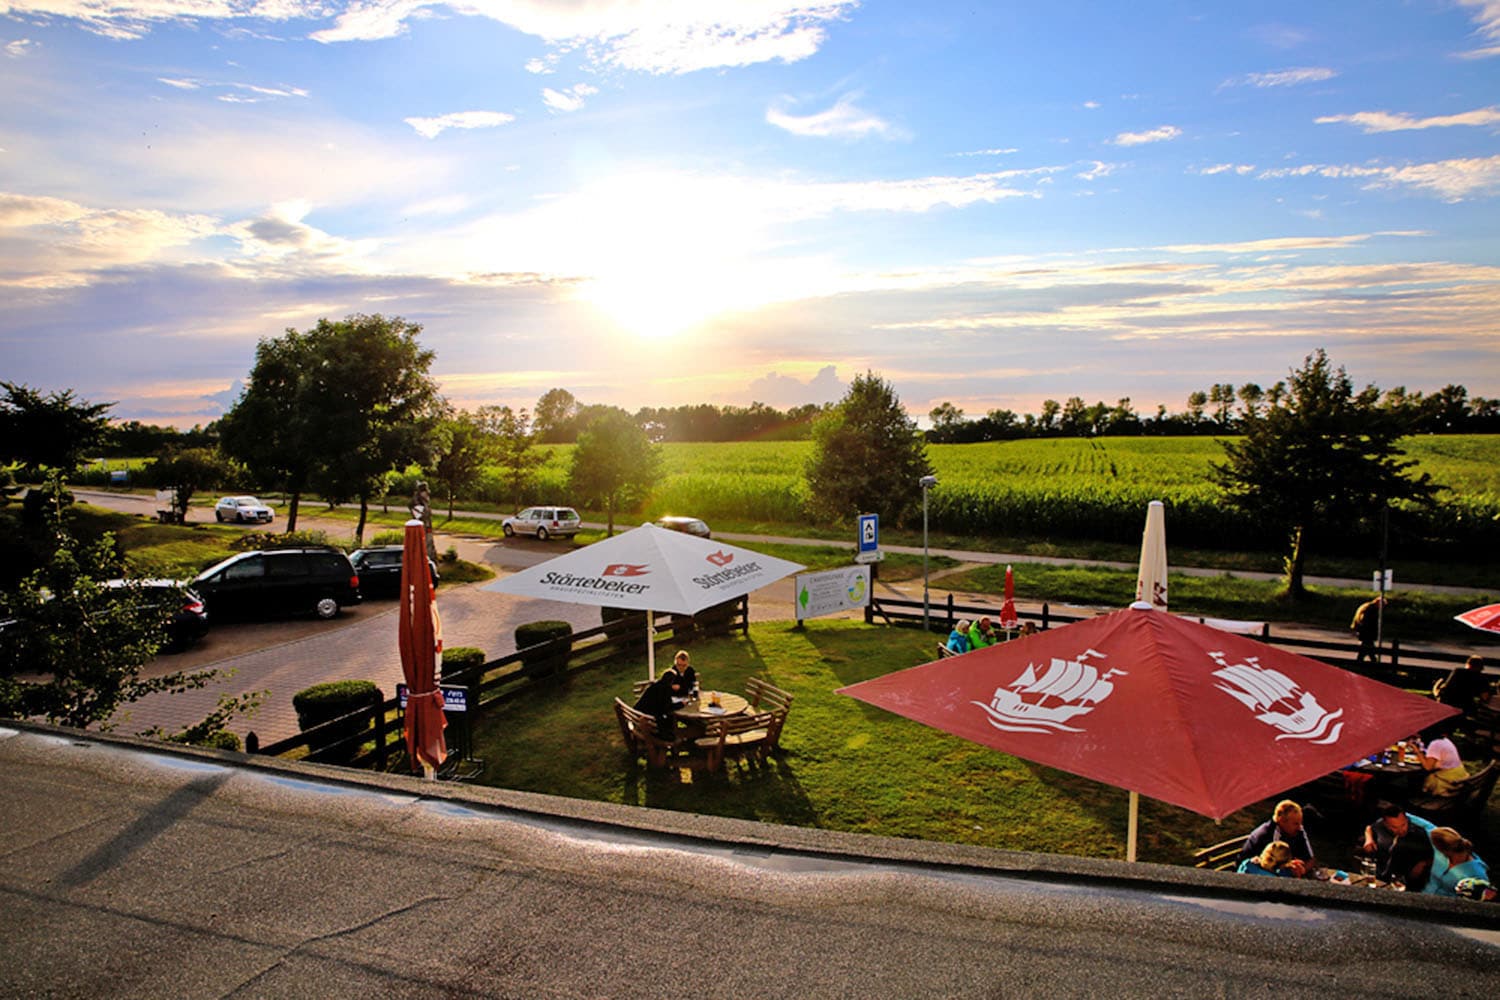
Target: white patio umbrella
x=1151 y=580
x=649 y=569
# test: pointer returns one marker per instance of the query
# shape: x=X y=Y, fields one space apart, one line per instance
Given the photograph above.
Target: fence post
x=379 y=711
x=951 y=622
x=1395 y=653
x=1046 y=611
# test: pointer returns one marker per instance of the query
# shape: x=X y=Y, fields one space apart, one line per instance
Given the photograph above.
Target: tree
x=946 y=421
x=187 y=471
x=1196 y=401
x=271 y=429
x=377 y=403
x=338 y=405
x=1251 y=397
x=1047 y=419
x=53 y=431
x=81 y=644
x=614 y=463
x=1320 y=456
x=555 y=416
x=867 y=455
x=460 y=449
x=513 y=445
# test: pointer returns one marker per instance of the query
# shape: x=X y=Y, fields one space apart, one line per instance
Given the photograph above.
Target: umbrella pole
x=1135 y=812
x=651 y=645
x=429 y=773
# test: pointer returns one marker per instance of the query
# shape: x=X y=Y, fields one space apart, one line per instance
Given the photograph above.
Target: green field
x=1065 y=488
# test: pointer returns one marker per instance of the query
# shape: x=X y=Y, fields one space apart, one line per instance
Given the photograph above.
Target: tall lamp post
x=928 y=482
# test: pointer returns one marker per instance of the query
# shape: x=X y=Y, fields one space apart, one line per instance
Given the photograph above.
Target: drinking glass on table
x=1367 y=866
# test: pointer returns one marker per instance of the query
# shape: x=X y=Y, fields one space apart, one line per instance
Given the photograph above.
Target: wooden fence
x=368 y=736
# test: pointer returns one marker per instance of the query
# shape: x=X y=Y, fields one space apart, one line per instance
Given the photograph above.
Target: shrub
x=255 y=541
x=450 y=555
x=332 y=700
x=221 y=739
x=461 y=659
x=388 y=538
x=630 y=628
x=539 y=663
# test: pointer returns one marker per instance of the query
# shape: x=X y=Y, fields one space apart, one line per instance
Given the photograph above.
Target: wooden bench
x=763 y=694
x=944 y=651
x=638 y=730
x=639 y=688
x=1223 y=856
x=749 y=736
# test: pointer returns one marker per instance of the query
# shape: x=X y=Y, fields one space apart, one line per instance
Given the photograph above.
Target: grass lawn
x=846 y=765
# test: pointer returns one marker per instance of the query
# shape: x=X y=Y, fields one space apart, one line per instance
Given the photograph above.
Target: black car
x=189 y=622
x=279 y=582
x=379 y=569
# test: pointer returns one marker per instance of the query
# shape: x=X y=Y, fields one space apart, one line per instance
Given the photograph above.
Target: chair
x=738 y=736
x=638 y=730
x=1465 y=805
x=1223 y=856
x=639 y=688
x=944 y=652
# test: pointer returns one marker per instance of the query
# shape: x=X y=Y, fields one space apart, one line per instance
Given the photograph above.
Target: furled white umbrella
x=1151 y=580
x=649 y=569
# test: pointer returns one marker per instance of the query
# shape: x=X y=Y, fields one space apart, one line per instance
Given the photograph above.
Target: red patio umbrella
x=421 y=637
x=1486 y=619
x=1009 y=620
x=1150 y=702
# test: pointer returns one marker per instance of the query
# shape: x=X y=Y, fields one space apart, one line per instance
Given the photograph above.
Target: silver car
x=242 y=509
x=543 y=522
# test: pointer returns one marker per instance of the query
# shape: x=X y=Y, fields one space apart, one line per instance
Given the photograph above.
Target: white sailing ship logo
x=1064 y=691
x=1277 y=701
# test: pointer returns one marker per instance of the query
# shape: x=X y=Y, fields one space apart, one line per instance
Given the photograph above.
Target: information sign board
x=832 y=591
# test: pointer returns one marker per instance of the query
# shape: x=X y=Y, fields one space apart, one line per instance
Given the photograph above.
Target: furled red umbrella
x=1009 y=620
x=1486 y=619
x=421 y=637
x=1159 y=705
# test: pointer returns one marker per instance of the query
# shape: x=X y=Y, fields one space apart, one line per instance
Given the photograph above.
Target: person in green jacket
x=981 y=634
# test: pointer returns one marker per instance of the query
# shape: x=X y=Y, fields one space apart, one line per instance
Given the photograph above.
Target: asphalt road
x=132 y=871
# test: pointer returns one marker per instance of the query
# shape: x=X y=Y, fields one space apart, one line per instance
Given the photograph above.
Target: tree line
x=1219 y=410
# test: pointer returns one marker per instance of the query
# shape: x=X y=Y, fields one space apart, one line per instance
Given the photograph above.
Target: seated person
x=1399 y=842
x=1272 y=861
x=687 y=677
x=1443 y=765
x=1453 y=861
x=1463 y=688
x=656 y=700
x=1028 y=628
x=1478 y=889
x=958 y=639
x=1285 y=825
x=981 y=634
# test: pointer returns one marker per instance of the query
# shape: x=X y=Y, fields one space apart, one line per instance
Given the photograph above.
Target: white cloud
x=540 y=67
x=680 y=36
x=1387 y=121
x=1162 y=133
x=570 y=99
x=1451 y=180
x=1282 y=77
x=1098 y=170
x=20 y=47
x=431 y=128
x=179 y=84
x=989 y=152
x=1223 y=168
x=1486 y=17
x=843 y=120
x=1091 y=105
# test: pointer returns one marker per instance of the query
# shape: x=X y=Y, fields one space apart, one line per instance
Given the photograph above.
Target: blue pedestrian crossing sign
x=869 y=538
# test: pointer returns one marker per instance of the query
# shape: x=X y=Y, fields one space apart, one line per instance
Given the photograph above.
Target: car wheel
x=509 y=531
x=219 y=516
x=326 y=608
x=541 y=534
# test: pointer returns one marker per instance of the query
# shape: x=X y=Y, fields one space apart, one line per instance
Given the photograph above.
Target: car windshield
x=246 y=501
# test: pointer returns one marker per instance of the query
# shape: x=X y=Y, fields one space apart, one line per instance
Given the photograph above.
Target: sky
x=686 y=201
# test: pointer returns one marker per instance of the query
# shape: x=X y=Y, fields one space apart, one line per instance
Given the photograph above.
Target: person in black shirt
x=677 y=681
x=1462 y=688
x=1401 y=846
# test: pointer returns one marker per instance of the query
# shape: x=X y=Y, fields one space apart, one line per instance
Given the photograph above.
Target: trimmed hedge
x=331 y=700
x=535 y=633
x=460 y=659
x=256 y=541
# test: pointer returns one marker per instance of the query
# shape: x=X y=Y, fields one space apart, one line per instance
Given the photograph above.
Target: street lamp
x=927 y=482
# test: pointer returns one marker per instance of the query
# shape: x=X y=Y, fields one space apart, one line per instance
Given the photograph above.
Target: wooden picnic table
x=701 y=709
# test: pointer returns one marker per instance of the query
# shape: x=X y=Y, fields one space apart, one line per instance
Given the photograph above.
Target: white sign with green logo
x=832 y=591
